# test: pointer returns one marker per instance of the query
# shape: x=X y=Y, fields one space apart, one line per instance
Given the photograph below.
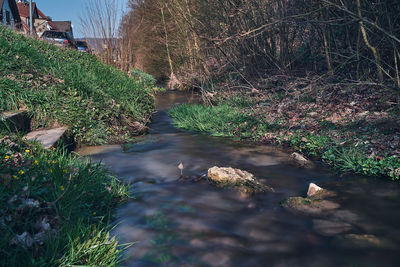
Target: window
x=8 y=18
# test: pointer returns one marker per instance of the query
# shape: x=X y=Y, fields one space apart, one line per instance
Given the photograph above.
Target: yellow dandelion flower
x=27 y=151
x=61 y=188
x=53 y=162
x=36 y=162
x=15 y=177
x=21 y=172
x=7 y=157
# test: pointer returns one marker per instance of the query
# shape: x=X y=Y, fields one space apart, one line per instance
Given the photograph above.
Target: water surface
x=177 y=222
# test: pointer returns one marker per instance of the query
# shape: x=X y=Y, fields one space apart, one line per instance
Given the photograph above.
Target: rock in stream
x=315 y=202
x=235 y=178
x=301 y=160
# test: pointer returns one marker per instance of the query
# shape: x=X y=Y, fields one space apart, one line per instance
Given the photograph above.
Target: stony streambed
x=180 y=220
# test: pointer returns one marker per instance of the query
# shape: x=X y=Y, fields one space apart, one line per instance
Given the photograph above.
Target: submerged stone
x=331 y=228
x=365 y=241
x=242 y=180
x=300 y=160
x=315 y=202
x=312 y=206
x=146 y=146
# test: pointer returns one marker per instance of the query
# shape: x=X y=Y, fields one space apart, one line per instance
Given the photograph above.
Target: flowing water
x=183 y=222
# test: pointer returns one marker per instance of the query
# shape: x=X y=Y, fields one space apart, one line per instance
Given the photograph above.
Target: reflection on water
x=186 y=223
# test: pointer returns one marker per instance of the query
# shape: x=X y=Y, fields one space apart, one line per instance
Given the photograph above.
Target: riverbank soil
x=352 y=126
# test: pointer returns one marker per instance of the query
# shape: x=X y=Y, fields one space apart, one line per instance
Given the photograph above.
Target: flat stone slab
x=48 y=138
x=17 y=121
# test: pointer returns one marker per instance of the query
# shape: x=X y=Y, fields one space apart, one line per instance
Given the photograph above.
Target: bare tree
x=100 y=20
x=248 y=39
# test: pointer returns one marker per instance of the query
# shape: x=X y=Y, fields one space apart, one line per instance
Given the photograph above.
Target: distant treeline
x=193 y=39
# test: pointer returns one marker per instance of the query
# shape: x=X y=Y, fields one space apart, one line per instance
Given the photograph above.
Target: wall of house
x=41 y=25
x=5 y=8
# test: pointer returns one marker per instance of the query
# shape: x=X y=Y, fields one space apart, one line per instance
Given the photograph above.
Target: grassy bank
x=64 y=87
x=352 y=129
x=220 y=120
x=55 y=208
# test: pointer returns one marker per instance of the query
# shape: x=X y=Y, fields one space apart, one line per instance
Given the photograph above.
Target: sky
x=66 y=10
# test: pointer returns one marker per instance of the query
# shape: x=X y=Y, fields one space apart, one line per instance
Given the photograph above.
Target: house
x=41 y=22
x=64 y=26
x=9 y=14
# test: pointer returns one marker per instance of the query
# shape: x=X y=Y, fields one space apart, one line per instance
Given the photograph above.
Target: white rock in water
x=313 y=189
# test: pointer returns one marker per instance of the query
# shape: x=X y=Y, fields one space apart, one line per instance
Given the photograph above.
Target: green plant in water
x=158 y=221
x=162 y=243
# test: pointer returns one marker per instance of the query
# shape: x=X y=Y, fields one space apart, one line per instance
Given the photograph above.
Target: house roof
x=14 y=9
x=23 y=9
x=64 y=26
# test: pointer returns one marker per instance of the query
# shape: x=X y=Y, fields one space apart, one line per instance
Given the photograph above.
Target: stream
x=183 y=222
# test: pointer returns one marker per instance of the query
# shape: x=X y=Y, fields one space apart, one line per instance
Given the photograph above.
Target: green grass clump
x=346 y=158
x=64 y=87
x=220 y=120
x=349 y=159
x=55 y=208
x=313 y=145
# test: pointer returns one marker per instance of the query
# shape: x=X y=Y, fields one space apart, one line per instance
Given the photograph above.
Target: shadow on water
x=186 y=223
